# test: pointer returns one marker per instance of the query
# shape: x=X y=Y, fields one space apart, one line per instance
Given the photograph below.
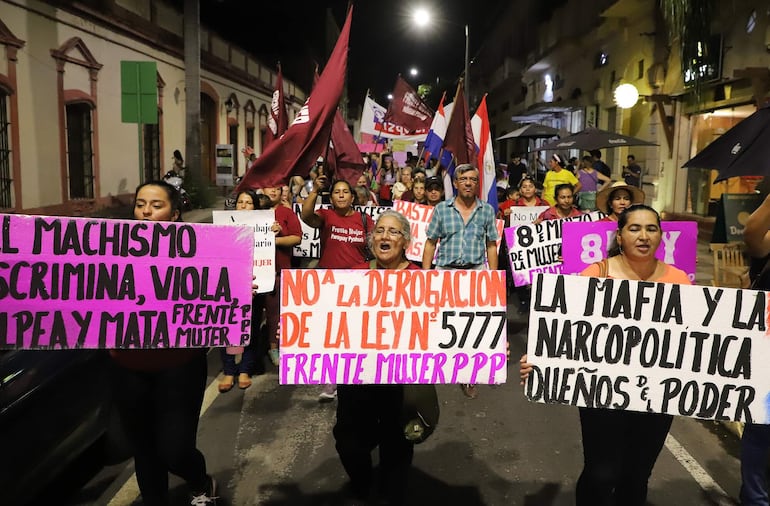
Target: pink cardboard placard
x=89 y=283
x=586 y=243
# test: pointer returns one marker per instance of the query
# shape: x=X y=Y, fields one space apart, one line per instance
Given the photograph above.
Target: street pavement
x=272 y=445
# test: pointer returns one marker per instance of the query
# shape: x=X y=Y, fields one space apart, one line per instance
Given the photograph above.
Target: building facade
x=64 y=148
x=562 y=70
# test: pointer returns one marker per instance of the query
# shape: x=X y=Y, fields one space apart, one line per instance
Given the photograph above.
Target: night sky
x=384 y=40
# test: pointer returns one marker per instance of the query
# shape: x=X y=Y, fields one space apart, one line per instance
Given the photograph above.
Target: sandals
x=244 y=381
x=226 y=384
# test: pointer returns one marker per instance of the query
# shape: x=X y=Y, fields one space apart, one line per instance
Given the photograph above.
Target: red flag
x=308 y=135
x=278 y=119
x=459 y=135
x=407 y=108
x=343 y=159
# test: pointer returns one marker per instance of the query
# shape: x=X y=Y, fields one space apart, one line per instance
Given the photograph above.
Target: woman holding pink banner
x=565 y=205
x=159 y=393
x=343 y=235
x=620 y=447
x=369 y=416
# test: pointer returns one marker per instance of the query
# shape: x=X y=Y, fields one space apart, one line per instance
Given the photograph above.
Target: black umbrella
x=594 y=138
x=741 y=151
x=531 y=131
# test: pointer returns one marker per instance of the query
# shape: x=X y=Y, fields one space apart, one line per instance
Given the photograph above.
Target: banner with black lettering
x=537 y=248
x=87 y=283
x=392 y=326
x=696 y=351
x=261 y=222
x=310 y=247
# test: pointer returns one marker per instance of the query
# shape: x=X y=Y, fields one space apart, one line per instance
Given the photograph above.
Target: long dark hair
x=173 y=194
x=614 y=249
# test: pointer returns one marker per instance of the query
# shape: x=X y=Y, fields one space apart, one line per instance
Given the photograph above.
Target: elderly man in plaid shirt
x=465 y=225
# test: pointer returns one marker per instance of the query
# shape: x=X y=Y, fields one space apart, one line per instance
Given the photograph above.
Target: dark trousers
x=159 y=412
x=755 y=445
x=369 y=416
x=251 y=358
x=273 y=312
x=619 y=451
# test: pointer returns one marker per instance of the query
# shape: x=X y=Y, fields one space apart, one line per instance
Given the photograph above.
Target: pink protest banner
x=586 y=243
x=419 y=217
x=87 y=283
x=538 y=248
x=392 y=326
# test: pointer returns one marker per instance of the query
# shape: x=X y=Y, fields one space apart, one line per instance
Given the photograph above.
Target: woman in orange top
x=620 y=447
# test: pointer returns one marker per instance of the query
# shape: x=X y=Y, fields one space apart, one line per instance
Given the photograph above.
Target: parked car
x=54 y=405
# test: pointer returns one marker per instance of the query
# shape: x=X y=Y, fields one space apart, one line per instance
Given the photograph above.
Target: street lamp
x=422 y=18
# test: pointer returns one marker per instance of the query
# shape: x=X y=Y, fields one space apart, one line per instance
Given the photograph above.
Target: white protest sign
x=685 y=350
x=524 y=215
x=537 y=248
x=392 y=326
x=310 y=246
x=264 y=242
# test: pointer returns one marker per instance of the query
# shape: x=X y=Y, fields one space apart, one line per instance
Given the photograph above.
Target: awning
x=544 y=110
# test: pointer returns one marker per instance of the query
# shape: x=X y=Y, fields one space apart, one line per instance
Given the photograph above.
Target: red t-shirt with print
x=343 y=240
x=290 y=225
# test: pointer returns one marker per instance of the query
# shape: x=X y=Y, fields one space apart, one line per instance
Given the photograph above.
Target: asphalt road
x=272 y=445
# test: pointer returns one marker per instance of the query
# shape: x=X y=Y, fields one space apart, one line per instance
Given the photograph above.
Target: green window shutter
x=139 y=92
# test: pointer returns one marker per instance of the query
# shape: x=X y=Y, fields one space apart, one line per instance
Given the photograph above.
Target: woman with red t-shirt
x=343 y=234
x=564 y=208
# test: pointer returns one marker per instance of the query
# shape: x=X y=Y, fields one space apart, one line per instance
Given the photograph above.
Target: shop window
x=80 y=155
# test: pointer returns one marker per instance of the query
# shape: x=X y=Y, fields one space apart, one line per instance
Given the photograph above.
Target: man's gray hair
x=463 y=168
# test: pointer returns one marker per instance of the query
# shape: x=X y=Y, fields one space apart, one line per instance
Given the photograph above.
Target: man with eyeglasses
x=465 y=226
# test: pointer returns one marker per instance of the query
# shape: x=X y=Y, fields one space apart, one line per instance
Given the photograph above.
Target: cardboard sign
x=525 y=215
x=419 y=216
x=587 y=243
x=694 y=351
x=261 y=222
x=310 y=247
x=537 y=248
x=85 y=283
x=392 y=326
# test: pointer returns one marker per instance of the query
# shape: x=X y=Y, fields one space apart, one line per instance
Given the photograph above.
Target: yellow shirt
x=554 y=179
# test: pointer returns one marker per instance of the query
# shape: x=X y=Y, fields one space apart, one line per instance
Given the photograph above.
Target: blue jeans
x=755 y=444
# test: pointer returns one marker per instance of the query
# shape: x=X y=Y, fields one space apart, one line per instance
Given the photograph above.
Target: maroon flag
x=459 y=135
x=407 y=108
x=342 y=159
x=278 y=119
x=308 y=135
